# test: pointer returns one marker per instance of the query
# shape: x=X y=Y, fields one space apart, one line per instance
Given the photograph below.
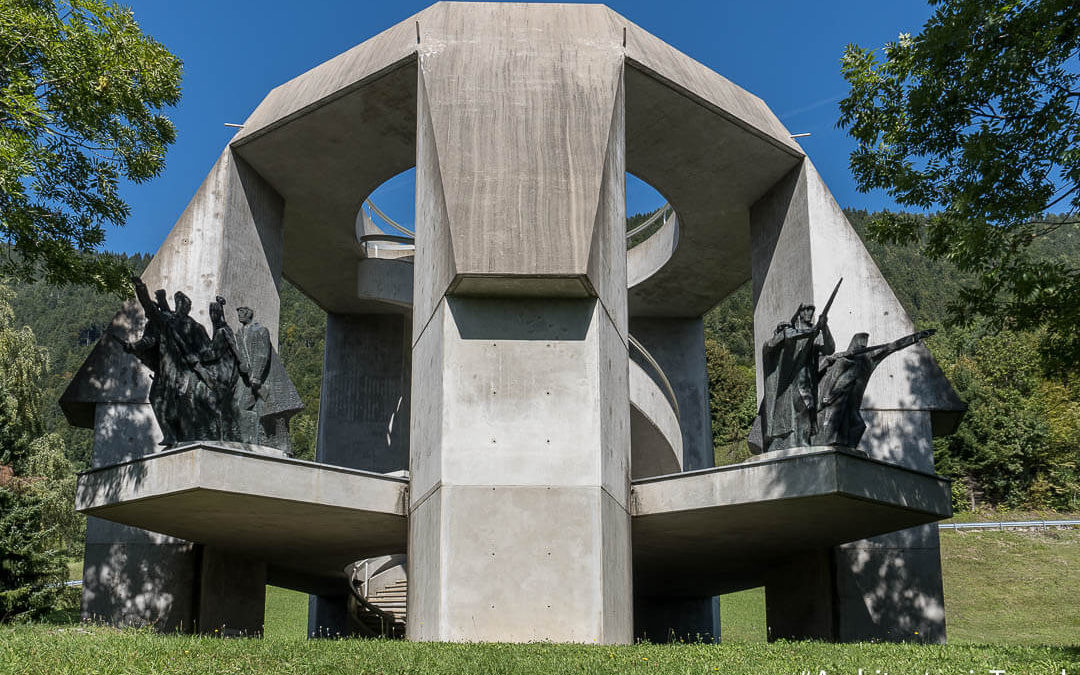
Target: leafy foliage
x=38 y=523
x=81 y=90
x=732 y=403
x=302 y=336
x=978 y=116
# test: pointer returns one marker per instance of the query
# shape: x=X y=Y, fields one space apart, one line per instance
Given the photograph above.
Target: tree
x=978 y=117
x=38 y=523
x=732 y=403
x=81 y=90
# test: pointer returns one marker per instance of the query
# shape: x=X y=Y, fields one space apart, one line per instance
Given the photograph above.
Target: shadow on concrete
x=522 y=319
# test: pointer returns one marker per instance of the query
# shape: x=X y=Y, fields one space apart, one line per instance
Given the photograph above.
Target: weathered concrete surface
x=364 y=415
x=758 y=513
x=132 y=577
x=305 y=520
x=520 y=408
x=678 y=345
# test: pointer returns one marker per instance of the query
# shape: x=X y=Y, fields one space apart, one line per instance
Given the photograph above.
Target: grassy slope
x=1012 y=587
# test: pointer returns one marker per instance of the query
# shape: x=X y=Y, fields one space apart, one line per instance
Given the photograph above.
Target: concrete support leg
x=519 y=526
x=232 y=594
x=328 y=616
x=678 y=345
x=800 y=598
x=133 y=577
x=889 y=587
x=364 y=418
x=660 y=620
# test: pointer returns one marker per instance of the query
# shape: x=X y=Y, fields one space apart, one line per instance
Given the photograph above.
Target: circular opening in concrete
x=394 y=203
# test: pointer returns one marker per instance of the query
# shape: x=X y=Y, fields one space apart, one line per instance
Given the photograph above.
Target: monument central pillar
x=519 y=525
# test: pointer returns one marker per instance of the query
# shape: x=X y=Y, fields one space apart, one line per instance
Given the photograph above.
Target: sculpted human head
x=858 y=341
x=245 y=315
x=805 y=315
x=182 y=302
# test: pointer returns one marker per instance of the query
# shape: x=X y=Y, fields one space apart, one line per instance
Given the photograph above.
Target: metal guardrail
x=668 y=389
x=650 y=220
x=1010 y=525
x=389 y=221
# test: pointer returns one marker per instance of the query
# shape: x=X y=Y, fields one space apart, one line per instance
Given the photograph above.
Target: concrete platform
x=306 y=520
x=711 y=531
x=719 y=530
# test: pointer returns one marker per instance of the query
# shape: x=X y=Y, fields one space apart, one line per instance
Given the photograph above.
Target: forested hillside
x=1018 y=445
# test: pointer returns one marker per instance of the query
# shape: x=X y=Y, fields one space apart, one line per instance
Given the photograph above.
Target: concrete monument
x=513 y=399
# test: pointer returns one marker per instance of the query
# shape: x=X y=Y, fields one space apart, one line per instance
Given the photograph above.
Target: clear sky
x=785 y=51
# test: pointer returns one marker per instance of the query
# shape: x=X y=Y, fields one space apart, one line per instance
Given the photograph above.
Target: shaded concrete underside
x=720 y=530
x=306 y=521
x=694 y=534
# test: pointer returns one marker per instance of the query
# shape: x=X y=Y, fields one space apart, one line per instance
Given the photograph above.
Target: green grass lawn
x=74 y=649
x=1012 y=602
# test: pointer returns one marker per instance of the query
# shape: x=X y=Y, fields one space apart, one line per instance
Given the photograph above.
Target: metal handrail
x=669 y=390
x=1009 y=525
x=389 y=221
x=649 y=221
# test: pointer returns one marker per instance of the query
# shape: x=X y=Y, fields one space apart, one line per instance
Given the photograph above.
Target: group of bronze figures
x=813 y=394
x=228 y=387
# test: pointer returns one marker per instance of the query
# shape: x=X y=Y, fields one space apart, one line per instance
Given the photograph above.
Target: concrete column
x=519 y=527
x=363 y=417
x=800 y=598
x=229 y=242
x=364 y=412
x=678 y=345
x=889 y=587
x=232 y=594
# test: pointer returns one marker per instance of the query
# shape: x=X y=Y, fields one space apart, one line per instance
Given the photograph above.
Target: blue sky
x=234 y=51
